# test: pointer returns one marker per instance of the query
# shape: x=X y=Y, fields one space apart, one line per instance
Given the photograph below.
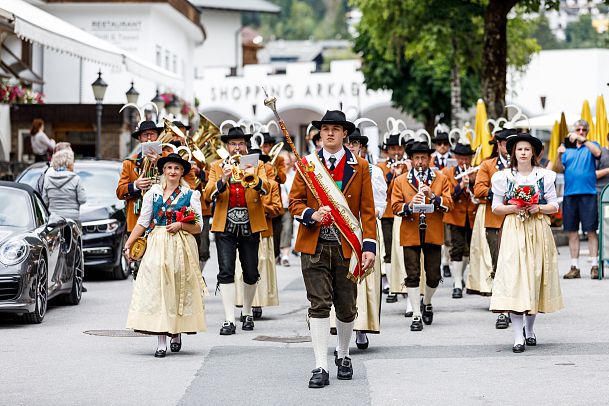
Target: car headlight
x=14 y=252
x=101 y=226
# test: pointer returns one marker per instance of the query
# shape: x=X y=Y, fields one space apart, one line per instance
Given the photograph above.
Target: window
x=175 y=63
x=40 y=212
x=159 y=60
x=167 y=56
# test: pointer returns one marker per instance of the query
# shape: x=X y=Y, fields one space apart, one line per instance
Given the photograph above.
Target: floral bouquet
x=187 y=215
x=523 y=197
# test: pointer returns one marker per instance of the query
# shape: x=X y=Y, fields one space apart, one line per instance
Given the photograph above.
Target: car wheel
x=122 y=270
x=41 y=295
x=73 y=298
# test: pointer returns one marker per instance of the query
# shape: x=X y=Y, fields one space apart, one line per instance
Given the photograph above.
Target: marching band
x=364 y=230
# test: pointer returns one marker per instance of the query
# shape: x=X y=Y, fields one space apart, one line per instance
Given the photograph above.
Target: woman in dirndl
x=168 y=292
x=527 y=280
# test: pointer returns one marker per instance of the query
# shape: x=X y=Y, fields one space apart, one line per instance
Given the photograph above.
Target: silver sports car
x=40 y=254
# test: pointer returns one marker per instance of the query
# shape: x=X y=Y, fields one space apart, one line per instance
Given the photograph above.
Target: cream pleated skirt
x=266 y=288
x=398 y=270
x=527 y=278
x=480 y=261
x=168 y=295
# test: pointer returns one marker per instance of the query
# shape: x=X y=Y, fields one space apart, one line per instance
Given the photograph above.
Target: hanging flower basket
x=18 y=94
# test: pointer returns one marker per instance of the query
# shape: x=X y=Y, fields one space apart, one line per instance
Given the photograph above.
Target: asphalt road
x=460 y=359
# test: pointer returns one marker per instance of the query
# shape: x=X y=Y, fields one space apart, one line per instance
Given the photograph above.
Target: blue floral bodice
x=160 y=208
x=511 y=186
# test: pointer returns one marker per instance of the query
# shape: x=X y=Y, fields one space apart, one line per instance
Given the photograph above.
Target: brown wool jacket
x=403 y=191
x=357 y=189
x=253 y=197
x=482 y=188
x=463 y=207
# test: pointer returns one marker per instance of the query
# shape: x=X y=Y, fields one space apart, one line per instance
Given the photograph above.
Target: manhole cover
x=115 y=333
x=287 y=340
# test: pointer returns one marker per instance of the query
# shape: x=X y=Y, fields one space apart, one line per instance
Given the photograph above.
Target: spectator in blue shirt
x=579 y=203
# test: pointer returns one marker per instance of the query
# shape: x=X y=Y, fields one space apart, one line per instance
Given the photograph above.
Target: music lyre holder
x=423 y=208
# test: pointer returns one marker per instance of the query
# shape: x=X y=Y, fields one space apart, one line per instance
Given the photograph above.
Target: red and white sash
x=344 y=220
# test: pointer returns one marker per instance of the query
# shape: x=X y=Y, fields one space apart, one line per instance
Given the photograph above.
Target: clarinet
x=422 y=216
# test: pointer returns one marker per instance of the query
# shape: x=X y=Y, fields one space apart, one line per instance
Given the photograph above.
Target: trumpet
x=248 y=180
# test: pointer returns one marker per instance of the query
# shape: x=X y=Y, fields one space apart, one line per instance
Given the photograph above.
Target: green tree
x=454 y=27
x=543 y=34
x=581 y=34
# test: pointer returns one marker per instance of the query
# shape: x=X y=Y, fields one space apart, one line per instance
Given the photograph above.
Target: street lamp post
x=132 y=96
x=159 y=102
x=174 y=107
x=99 y=91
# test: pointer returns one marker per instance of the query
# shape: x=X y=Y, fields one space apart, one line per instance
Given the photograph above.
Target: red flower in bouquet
x=524 y=196
x=186 y=215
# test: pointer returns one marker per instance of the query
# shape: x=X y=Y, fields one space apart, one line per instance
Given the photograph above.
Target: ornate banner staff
x=271 y=102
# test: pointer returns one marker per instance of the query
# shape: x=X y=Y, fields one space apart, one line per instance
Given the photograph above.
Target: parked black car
x=40 y=254
x=103 y=219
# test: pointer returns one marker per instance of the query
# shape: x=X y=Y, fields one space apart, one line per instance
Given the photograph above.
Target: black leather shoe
x=345 y=369
x=364 y=345
x=427 y=314
x=175 y=346
x=391 y=298
x=257 y=312
x=502 y=322
x=160 y=353
x=228 y=329
x=335 y=357
x=333 y=331
x=417 y=324
x=446 y=271
x=457 y=293
x=320 y=378
x=408 y=314
x=248 y=323
x=83 y=289
x=385 y=291
x=241 y=318
x=518 y=348
x=531 y=341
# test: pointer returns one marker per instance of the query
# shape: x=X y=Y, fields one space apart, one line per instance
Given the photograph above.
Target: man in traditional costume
x=483 y=192
x=133 y=182
x=238 y=220
x=442 y=158
x=460 y=219
x=369 y=291
x=393 y=167
x=278 y=175
x=337 y=238
x=419 y=186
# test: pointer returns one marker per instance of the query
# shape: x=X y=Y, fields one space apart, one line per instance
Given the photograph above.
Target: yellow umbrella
x=563 y=129
x=554 y=142
x=601 y=126
x=482 y=134
x=587 y=115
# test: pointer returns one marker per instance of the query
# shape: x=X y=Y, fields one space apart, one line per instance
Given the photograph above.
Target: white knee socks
x=413 y=298
x=162 y=342
x=529 y=321
x=249 y=291
x=227 y=291
x=517 y=322
x=320 y=335
x=428 y=295
x=343 y=333
x=457 y=268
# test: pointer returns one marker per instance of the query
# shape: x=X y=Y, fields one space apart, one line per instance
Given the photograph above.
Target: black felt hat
x=502 y=135
x=335 y=117
x=173 y=157
x=233 y=134
x=534 y=141
x=146 y=126
x=268 y=138
x=441 y=136
x=420 y=147
x=463 y=149
x=356 y=135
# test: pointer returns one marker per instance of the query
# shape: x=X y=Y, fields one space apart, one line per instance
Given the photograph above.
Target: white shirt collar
x=445 y=156
x=503 y=161
x=338 y=155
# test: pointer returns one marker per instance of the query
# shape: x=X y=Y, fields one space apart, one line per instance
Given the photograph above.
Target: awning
x=546 y=121
x=36 y=25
